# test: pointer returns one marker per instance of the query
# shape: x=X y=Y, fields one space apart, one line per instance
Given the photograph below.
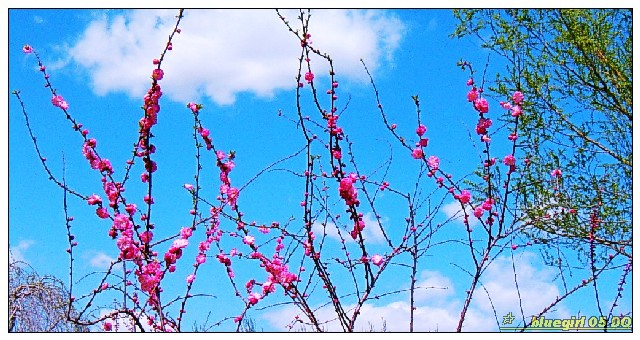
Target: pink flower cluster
x=418 y=152
x=149 y=276
x=157 y=74
x=102 y=165
x=358 y=227
x=483 y=125
x=464 y=196
x=194 y=107
x=347 y=191
x=205 y=137
x=175 y=251
x=473 y=96
x=151 y=108
x=516 y=110
x=308 y=77
x=434 y=163
x=226 y=188
x=332 y=124
x=278 y=273
x=58 y=101
x=129 y=249
x=113 y=191
x=377 y=260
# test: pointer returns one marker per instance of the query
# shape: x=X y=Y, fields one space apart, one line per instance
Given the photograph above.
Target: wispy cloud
x=98 y=259
x=372 y=232
x=17 y=253
x=439 y=304
x=454 y=211
x=221 y=53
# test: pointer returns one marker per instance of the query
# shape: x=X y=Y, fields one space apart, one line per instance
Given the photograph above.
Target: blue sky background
x=241 y=66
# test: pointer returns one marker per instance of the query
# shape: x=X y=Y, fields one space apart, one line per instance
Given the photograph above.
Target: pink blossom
x=190 y=278
x=180 y=243
x=509 y=160
x=506 y=106
x=186 y=232
x=130 y=208
x=481 y=105
x=465 y=196
x=517 y=97
x=27 y=49
x=102 y=213
x=417 y=153
x=248 y=240
x=188 y=187
x=377 y=260
x=157 y=74
x=232 y=196
x=421 y=130
x=268 y=287
x=516 y=111
x=433 y=162
x=107 y=326
x=201 y=258
x=59 y=102
x=337 y=154
x=487 y=204
x=483 y=125
x=469 y=82
x=472 y=95
x=94 y=199
x=347 y=191
x=146 y=236
x=254 y=298
x=556 y=173
x=308 y=77
x=477 y=212
x=194 y=107
x=148 y=199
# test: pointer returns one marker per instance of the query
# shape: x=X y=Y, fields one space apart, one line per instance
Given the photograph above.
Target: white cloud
x=372 y=232
x=439 y=308
x=435 y=287
x=16 y=253
x=221 y=53
x=454 y=211
x=99 y=260
x=536 y=289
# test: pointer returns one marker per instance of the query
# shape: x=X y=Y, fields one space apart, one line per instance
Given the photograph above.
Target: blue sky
x=241 y=66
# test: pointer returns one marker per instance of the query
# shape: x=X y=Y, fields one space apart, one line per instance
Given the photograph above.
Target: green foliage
x=575 y=69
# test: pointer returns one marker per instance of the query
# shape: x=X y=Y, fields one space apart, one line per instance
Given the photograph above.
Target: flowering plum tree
x=297 y=262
